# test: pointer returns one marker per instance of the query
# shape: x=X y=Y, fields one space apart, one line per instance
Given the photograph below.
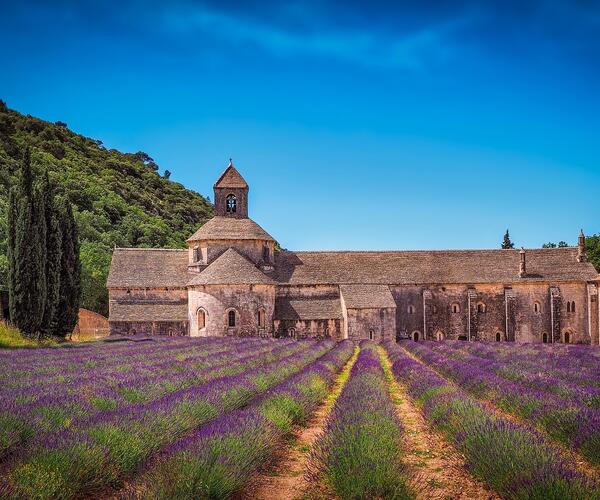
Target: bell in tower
x=231 y=194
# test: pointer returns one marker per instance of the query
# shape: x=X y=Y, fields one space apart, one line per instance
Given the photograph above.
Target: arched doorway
x=545 y=338
x=201 y=320
x=415 y=336
x=498 y=336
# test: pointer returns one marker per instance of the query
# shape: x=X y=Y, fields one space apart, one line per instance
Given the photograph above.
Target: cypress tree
x=53 y=252
x=506 y=243
x=27 y=241
x=70 y=272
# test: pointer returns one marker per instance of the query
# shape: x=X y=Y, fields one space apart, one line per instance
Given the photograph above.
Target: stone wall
x=169 y=328
x=246 y=300
x=209 y=251
x=374 y=324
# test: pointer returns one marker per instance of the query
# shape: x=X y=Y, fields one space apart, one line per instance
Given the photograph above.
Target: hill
x=119 y=199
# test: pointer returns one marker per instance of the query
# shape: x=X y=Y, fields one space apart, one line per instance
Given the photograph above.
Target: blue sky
x=359 y=125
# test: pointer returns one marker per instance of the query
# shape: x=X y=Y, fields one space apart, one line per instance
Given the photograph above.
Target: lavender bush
x=515 y=461
x=359 y=453
x=218 y=460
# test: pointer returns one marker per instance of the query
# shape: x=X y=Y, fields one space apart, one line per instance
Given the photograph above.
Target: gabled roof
x=231 y=178
x=367 y=296
x=148 y=312
x=307 y=308
x=230 y=228
x=430 y=266
x=148 y=268
x=231 y=268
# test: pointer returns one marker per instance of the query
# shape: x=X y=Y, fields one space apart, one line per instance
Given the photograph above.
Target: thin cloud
x=415 y=50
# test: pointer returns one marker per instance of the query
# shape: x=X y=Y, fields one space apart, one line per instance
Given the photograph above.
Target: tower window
x=231 y=318
x=411 y=309
x=266 y=254
x=480 y=307
x=231 y=204
x=196 y=254
x=456 y=307
x=537 y=307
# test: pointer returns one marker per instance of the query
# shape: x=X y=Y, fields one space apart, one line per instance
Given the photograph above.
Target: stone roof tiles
x=430 y=266
x=231 y=268
x=148 y=268
x=230 y=228
x=231 y=178
x=367 y=296
x=327 y=307
x=148 y=312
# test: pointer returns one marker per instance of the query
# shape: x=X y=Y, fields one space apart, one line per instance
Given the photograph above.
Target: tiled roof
x=327 y=307
x=430 y=266
x=367 y=296
x=148 y=312
x=230 y=228
x=231 y=178
x=231 y=268
x=148 y=267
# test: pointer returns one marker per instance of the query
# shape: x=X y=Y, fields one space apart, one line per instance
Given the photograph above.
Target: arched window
x=371 y=334
x=545 y=338
x=292 y=333
x=456 y=307
x=261 y=318
x=231 y=318
x=498 y=336
x=231 y=204
x=480 y=307
x=201 y=315
x=568 y=307
x=327 y=332
x=266 y=254
x=573 y=306
x=439 y=335
x=196 y=254
x=415 y=335
x=537 y=307
x=567 y=337
x=411 y=309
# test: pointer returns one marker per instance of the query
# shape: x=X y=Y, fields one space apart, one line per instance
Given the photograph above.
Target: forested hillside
x=119 y=199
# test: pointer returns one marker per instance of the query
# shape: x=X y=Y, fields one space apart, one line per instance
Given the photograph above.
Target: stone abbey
x=232 y=281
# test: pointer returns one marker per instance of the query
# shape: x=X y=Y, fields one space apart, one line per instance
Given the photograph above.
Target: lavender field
x=224 y=417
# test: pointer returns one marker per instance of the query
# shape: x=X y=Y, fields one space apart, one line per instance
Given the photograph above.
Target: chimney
x=581 y=255
x=522 y=268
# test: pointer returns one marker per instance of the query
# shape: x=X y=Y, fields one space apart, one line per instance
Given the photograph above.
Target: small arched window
x=371 y=334
x=411 y=309
x=439 y=335
x=573 y=306
x=545 y=338
x=568 y=307
x=231 y=318
x=292 y=333
x=201 y=315
x=498 y=336
x=537 y=307
x=415 y=335
x=456 y=307
x=231 y=204
x=261 y=318
x=196 y=254
x=266 y=254
x=567 y=337
x=481 y=307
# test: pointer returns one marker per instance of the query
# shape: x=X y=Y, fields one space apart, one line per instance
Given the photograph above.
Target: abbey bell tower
x=231 y=194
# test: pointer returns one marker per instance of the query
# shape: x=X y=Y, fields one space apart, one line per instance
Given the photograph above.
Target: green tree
x=51 y=321
x=26 y=245
x=549 y=245
x=592 y=244
x=506 y=243
x=562 y=244
x=70 y=272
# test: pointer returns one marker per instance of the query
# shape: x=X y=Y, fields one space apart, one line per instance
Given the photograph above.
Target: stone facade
x=231 y=281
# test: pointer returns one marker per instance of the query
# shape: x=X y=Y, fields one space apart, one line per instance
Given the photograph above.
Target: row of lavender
x=219 y=459
x=576 y=365
x=515 y=461
x=566 y=412
x=34 y=409
x=100 y=448
x=359 y=454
